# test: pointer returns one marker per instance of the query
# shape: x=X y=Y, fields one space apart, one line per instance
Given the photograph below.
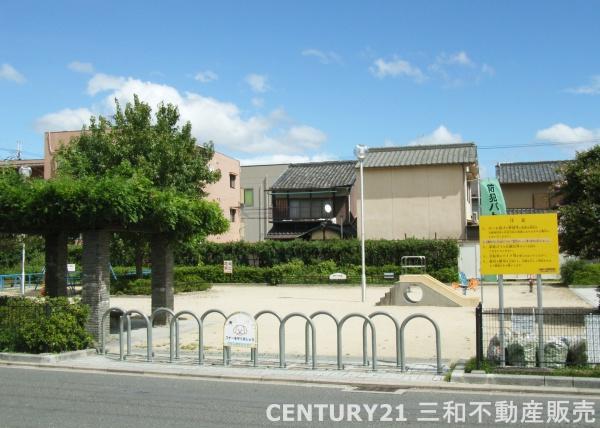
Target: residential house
x=420 y=191
x=527 y=186
x=314 y=201
x=226 y=191
x=256 y=202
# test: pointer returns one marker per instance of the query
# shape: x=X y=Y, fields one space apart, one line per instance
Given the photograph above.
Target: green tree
x=579 y=211
x=137 y=144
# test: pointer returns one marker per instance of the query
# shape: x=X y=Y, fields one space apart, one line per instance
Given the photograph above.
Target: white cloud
x=257 y=82
x=323 y=57
x=488 y=69
x=8 y=72
x=458 y=58
x=561 y=133
x=211 y=119
x=206 y=76
x=395 y=68
x=258 y=102
x=457 y=68
x=63 y=120
x=103 y=82
x=440 y=136
x=592 y=89
x=81 y=67
x=274 y=159
x=389 y=143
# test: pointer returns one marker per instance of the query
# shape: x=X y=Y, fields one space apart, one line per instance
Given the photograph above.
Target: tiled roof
x=439 y=154
x=317 y=175
x=528 y=172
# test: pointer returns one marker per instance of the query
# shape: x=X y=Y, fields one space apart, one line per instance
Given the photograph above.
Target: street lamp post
x=25 y=172
x=360 y=151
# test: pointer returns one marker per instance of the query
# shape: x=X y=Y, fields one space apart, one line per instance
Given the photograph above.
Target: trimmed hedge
x=580 y=272
x=42 y=325
x=195 y=278
x=439 y=253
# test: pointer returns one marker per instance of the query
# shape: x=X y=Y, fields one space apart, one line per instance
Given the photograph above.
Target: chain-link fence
x=557 y=337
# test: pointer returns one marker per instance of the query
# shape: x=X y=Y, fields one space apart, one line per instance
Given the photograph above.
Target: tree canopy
x=137 y=173
x=579 y=211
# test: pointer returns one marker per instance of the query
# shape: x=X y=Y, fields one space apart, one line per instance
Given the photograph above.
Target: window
x=248 y=197
x=232 y=181
x=232 y=215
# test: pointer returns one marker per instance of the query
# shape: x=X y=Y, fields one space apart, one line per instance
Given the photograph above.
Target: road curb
x=460 y=377
x=45 y=358
x=582 y=389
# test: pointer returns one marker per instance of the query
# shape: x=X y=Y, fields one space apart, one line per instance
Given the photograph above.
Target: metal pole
x=540 y=321
x=501 y=317
x=362 y=233
x=23 y=268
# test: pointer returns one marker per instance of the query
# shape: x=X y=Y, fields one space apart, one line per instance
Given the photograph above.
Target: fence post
x=478 y=335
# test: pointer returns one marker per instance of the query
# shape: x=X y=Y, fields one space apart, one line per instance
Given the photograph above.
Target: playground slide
x=431 y=293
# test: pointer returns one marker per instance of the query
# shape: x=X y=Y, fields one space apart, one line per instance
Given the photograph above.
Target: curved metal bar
x=395 y=321
x=307 y=331
x=373 y=339
x=148 y=331
x=254 y=351
x=102 y=338
x=169 y=311
x=176 y=344
x=216 y=311
x=438 y=341
x=212 y=311
x=282 y=338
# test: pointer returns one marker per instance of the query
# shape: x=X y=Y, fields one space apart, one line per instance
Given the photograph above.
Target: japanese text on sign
x=519 y=244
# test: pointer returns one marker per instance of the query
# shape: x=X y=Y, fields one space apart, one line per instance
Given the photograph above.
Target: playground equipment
x=424 y=290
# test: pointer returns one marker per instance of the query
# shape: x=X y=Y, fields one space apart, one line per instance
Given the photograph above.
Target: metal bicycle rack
x=310 y=335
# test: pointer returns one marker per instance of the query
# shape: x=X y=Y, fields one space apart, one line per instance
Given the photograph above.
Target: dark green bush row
x=294 y=272
x=130 y=285
x=439 y=253
x=580 y=272
x=42 y=325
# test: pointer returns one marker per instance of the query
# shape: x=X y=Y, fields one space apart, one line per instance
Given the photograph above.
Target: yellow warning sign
x=519 y=244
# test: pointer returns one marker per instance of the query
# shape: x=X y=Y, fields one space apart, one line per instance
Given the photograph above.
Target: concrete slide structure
x=425 y=290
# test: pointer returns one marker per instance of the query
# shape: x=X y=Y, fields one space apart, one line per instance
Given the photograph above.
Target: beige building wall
x=52 y=142
x=421 y=202
x=227 y=193
x=527 y=195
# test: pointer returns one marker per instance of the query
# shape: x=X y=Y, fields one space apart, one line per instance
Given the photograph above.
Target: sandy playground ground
x=457 y=324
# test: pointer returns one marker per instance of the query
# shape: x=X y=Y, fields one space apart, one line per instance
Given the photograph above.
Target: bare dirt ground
x=457 y=325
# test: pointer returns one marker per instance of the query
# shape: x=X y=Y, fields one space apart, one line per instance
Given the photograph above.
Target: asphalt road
x=51 y=398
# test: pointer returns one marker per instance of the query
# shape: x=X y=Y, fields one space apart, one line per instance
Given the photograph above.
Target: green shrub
x=589 y=275
x=568 y=269
x=43 y=325
x=439 y=253
x=577 y=354
x=182 y=284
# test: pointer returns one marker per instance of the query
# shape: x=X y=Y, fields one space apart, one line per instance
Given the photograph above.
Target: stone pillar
x=161 y=256
x=95 y=279
x=56 y=264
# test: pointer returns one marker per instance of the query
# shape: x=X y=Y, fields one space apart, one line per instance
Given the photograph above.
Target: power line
x=546 y=144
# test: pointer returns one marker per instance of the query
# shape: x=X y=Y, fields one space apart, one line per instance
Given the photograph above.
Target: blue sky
x=278 y=81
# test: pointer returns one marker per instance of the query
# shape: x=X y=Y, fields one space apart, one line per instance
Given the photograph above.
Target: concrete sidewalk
x=386 y=379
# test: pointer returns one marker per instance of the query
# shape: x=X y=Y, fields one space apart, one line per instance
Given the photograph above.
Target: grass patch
x=486 y=365
x=490 y=367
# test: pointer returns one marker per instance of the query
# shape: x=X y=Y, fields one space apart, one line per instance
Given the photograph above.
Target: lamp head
x=25 y=171
x=360 y=151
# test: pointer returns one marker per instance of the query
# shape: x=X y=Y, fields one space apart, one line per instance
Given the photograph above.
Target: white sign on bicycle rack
x=240 y=330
